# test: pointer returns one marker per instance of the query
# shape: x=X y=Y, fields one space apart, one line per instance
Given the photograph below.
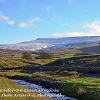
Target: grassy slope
x=13 y=58
x=8 y=84
x=64 y=53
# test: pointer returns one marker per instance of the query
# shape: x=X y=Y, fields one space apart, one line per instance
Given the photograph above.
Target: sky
x=23 y=20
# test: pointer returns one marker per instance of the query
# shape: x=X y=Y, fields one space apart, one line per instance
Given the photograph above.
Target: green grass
x=13 y=73
x=43 y=61
x=68 y=85
x=5 y=62
x=8 y=84
x=91 y=85
x=14 y=59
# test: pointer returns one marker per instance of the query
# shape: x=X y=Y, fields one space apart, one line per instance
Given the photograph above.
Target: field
x=89 y=88
x=70 y=83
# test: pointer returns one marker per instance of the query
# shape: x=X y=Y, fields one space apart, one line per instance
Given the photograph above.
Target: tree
x=27 y=55
x=45 y=55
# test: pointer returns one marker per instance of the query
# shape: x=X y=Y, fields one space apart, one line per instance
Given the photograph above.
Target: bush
x=80 y=91
x=68 y=73
x=27 y=55
x=73 y=74
x=45 y=55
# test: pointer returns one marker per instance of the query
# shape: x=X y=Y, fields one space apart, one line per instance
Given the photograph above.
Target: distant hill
x=7 y=52
x=69 y=40
x=93 y=49
x=53 y=43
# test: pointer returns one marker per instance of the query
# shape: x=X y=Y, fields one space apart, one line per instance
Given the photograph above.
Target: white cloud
x=23 y=24
x=94 y=27
x=30 y=23
x=3 y=17
x=71 y=34
x=93 y=30
x=7 y=20
x=34 y=20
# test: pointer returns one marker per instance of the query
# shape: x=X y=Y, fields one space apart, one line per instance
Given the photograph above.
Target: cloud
x=7 y=20
x=3 y=17
x=23 y=24
x=30 y=23
x=34 y=20
x=93 y=29
x=71 y=34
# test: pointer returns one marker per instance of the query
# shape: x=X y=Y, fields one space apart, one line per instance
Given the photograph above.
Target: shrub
x=80 y=91
x=45 y=55
x=73 y=74
x=27 y=55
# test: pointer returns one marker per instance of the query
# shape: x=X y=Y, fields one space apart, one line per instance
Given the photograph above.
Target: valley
x=72 y=68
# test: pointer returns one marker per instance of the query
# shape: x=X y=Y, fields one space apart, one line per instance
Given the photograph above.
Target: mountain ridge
x=52 y=43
